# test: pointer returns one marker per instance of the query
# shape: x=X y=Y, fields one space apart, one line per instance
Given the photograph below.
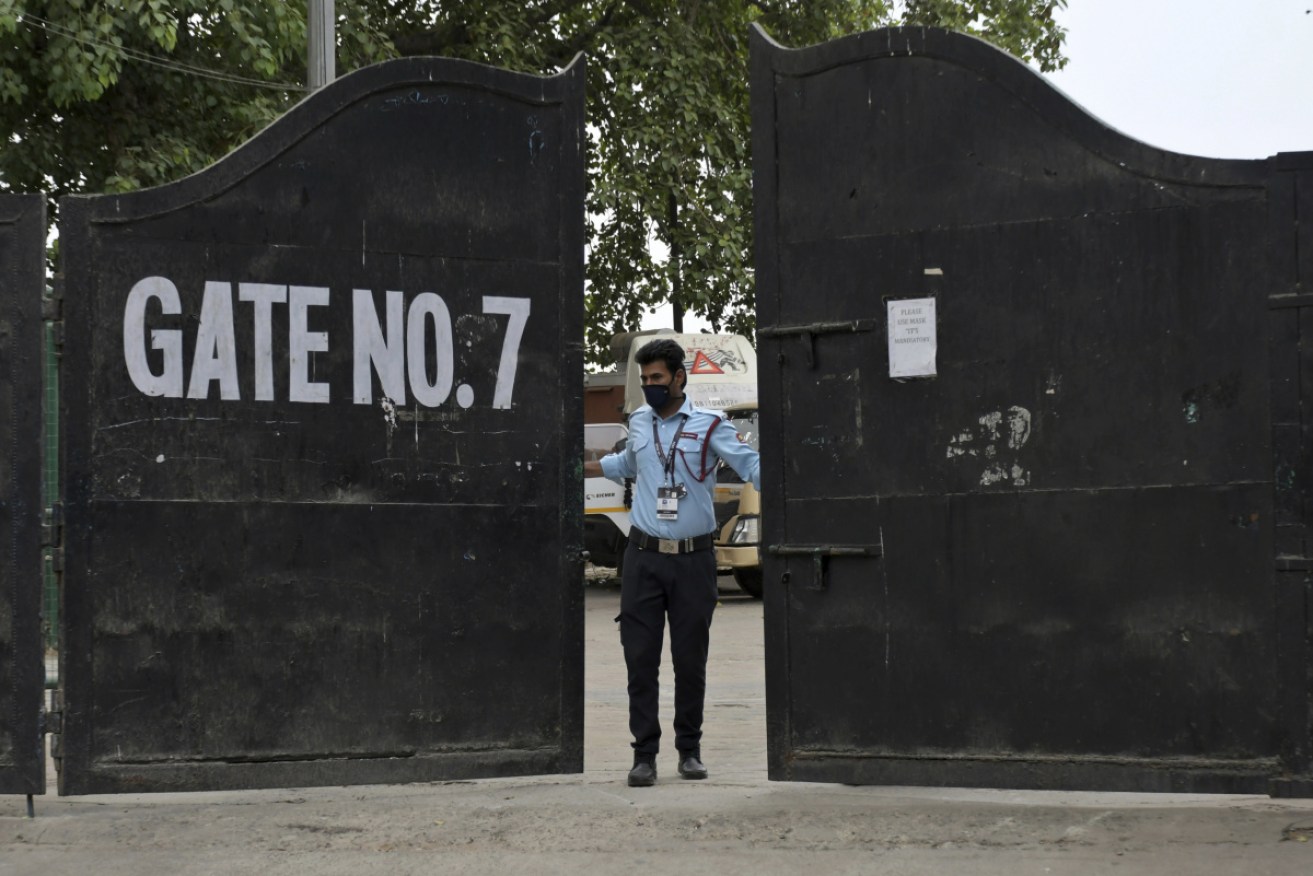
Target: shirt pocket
x=638 y=442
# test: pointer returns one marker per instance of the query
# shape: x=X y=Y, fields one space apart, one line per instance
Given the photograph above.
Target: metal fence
x=50 y=484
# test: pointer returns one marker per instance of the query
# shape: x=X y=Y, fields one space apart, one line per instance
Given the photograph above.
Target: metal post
x=321 y=54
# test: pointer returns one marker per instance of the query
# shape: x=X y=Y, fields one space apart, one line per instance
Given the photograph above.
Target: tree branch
x=437 y=41
x=567 y=49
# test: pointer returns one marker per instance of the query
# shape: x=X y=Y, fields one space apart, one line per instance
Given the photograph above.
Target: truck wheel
x=749 y=581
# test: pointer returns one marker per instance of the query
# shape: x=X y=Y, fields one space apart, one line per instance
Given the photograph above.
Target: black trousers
x=682 y=586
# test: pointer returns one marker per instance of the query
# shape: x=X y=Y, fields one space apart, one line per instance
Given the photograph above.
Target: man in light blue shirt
x=670 y=563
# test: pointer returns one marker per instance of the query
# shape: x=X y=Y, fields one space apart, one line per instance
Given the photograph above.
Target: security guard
x=670 y=564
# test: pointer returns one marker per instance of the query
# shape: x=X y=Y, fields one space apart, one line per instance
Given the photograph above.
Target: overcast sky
x=1221 y=79
x=1224 y=79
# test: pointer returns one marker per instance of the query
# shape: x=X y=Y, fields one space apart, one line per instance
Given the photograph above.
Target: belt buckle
x=668 y=545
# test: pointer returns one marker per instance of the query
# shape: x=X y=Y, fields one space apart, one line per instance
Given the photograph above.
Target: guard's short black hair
x=662 y=350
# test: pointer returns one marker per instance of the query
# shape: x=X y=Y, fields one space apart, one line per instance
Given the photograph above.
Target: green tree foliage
x=113 y=96
x=118 y=94
x=670 y=175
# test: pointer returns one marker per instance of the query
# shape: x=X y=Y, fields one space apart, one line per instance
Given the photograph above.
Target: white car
x=606 y=503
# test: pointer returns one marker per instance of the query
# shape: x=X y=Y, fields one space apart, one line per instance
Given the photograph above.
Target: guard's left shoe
x=690 y=766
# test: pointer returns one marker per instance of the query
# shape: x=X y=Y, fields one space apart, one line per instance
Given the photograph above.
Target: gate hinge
x=52 y=526
x=821 y=554
x=52 y=305
x=809 y=331
x=54 y=727
x=56 y=557
x=52 y=311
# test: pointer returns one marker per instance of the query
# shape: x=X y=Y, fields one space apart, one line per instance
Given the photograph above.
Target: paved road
x=734 y=729
x=737 y=822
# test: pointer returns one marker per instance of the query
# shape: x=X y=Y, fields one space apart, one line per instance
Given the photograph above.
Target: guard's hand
x=593 y=470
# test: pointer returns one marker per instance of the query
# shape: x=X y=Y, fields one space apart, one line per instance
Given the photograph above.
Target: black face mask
x=656 y=394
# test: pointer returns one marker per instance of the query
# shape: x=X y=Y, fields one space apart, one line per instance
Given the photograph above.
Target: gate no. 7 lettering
x=398 y=355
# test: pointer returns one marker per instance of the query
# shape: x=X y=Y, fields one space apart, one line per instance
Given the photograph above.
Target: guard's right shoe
x=643 y=775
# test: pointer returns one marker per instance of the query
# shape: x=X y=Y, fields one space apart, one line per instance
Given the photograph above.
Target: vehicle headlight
x=746 y=531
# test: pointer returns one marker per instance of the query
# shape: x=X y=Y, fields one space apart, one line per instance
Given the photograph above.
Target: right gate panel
x=1049 y=563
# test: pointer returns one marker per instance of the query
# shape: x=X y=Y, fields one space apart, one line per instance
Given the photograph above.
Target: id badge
x=668 y=503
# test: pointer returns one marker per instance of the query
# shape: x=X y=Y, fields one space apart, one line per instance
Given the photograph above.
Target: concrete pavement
x=736 y=822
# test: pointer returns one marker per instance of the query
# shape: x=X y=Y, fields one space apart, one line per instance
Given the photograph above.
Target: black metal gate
x=321 y=406
x=1021 y=514
x=22 y=665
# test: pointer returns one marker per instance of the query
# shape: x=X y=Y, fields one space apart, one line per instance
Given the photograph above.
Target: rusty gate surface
x=1034 y=421
x=320 y=406
x=22 y=666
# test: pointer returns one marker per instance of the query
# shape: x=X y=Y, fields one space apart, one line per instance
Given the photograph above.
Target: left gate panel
x=320 y=417
x=22 y=668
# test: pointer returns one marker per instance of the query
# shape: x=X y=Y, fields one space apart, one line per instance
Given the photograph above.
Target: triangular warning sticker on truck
x=703 y=365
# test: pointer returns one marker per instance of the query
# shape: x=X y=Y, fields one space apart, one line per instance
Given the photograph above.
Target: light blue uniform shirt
x=685 y=431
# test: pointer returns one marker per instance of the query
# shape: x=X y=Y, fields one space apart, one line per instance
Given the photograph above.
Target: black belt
x=646 y=542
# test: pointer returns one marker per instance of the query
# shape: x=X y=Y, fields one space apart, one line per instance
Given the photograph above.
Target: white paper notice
x=912 y=342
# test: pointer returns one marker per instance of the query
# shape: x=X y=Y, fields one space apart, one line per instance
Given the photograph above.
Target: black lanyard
x=667 y=464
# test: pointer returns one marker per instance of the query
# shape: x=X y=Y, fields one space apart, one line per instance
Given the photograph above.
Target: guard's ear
x=683 y=386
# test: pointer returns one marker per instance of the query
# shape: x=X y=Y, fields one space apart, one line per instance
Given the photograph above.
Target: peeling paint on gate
x=999 y=438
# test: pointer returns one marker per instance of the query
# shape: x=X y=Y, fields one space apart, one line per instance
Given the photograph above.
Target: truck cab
x=738 y=543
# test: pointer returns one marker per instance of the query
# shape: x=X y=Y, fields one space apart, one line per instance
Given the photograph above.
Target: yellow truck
x=738 y=546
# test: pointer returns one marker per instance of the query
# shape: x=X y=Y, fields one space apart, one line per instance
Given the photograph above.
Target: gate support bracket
x=1295 y=299
x=820 y=557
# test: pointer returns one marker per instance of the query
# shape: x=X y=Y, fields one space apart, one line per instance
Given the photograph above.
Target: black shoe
x=643 y=775
x=690 y=767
